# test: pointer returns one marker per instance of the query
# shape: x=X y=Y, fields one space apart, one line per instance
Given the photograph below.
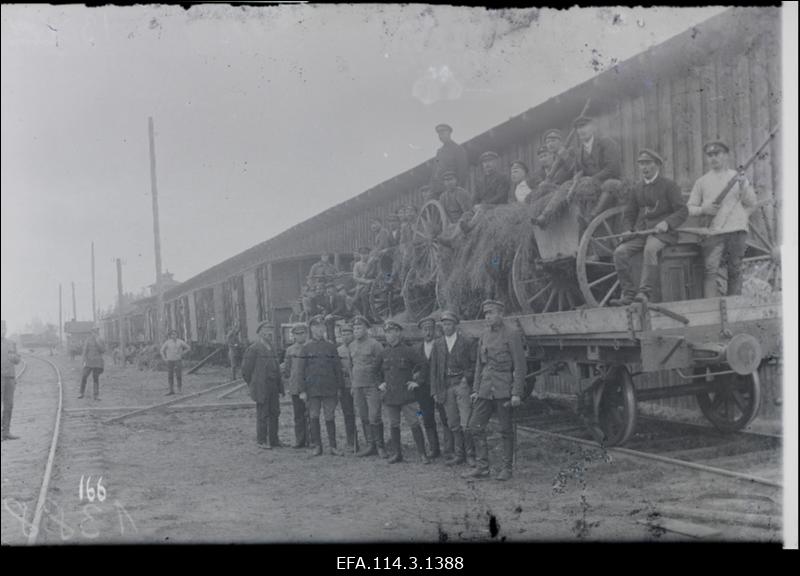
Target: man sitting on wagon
x=363 y=283
x=494 y=189
x=655 y=205
x=599 y=161
x=553 y=178
x=322 y=271
x=455 y=200
x=730 y=220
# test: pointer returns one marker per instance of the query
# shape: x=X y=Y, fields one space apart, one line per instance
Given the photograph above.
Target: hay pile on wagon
x=478 y=266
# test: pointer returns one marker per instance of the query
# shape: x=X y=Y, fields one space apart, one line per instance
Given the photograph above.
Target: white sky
x=264 y=117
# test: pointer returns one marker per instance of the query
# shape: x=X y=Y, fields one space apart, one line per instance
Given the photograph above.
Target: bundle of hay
x=479 y=265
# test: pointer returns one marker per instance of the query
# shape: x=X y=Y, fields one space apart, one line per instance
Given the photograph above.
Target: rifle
x=557 y=163
x=626 y=235
x=708 y=218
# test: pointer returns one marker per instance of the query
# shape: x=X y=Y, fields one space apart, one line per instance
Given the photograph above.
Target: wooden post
x=74 y=308
x=94 y=305
x=156 y=234
x=119 y=310
x=60 y=320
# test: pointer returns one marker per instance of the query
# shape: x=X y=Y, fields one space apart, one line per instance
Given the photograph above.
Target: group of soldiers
x=446 y=374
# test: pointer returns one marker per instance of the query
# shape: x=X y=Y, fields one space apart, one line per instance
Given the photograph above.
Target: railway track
x=746 y=456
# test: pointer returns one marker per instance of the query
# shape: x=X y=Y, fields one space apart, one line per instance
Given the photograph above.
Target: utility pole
x=60 y=320
x=94 y=305
x=74 y=307
x=156 y=233
x=119 y=310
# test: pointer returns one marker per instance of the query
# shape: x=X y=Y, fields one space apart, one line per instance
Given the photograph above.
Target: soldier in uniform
x=557 y=167
x=399 y=362
x=261 y=371
x=365 y=362
x=322 y=271
x=320 y=377
x=454 y=199
x=423 y=394
x=494 y=189
x=599 y=160
x=500 y=372
x=291 y=376
x=452 y=372
x=363 y=283
x=450 y=157
x=10 y=358
x=346 y=393
x=93 y=350
x=730 y=220
x=656 y=204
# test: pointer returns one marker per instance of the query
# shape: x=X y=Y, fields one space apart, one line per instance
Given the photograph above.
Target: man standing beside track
x=262 y=373
x=499 y=385
x=10 y=358
x=93 y=350
x=172 y=352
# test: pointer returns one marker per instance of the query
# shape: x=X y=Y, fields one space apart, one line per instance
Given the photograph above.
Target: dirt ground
x=198 y=476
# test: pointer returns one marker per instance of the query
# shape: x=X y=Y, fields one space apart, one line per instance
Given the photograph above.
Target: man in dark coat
x=320 y=378
x=422 y=393
x=450 y=157
x=454 y=199
x=495 y=187
x=261 y=371
x=656 y=204
x=452 y=371
x=599 y=161
x=93 y=349
x=334 y=307
x=500 y=371
x=399 y=362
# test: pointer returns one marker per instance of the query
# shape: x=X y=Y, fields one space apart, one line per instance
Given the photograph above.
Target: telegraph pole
x=60 y=320
x=74 y=307
x=94 y=305
x=156 y=232
x=119 y=310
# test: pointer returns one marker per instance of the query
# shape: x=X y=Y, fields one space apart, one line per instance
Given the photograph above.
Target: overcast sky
x=264 y=117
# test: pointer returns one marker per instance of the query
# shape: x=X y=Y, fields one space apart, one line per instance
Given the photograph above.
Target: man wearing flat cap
x=454 y=199
x=452 y=373
x=346 y=393
x=655 y=203
x=261 y=371
x=427 y=406
x=322 y=271
x=333 y=307
x=360 y=269
x=449 y=157
x=599 y=160
x=291 y=374
x=495 y=187
x=727 y=241
x=399 y=364
x=320 y=378
x=365 y=375
x=500 y=371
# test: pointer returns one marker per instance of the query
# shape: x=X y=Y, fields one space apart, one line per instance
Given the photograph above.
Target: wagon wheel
x=762 y=247
x=615 y=406
x=430 y=224
x=731 y=401
x=597 y=275
x=420 y=299
x=542 y=288
x=385 y=300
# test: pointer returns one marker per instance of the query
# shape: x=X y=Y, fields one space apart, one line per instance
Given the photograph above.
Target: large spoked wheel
x=762 y=251
x=732 y=400
x=615 y=406
x=420 y=299
x=385 y=299
x=542 y=288
x=597 y=276
x=425 y=251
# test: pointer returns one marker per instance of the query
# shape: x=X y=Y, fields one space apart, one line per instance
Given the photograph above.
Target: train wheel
x=539 y=289
x=732 y=400
x=420 y=299
x=430 y=224
x=615 y=406
x=597 y=275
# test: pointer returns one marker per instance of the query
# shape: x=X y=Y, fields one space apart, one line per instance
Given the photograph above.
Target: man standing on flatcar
x=320 y=378
x=450 y=157
x=730 y=220
x=599 y=160
x=500 y=372
x=452 y=373
x=291 y=375
x=346 y=393
x=360 y=269
x=655 y=203
x=334 y=307
x=365 y=360
x=10 y=358
x=261 y=371
x=399 y=363
x=423 y=394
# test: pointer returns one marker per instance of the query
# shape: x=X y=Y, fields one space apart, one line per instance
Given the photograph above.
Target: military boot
x=458 y=456
x=379 y=441
x=508 y=458
x=316 y=438
x=396 y=445
x=419 y=440
x=350 y=432
x=481 y=469
x=274 y=439
x=370 y=432
x=469 y=446
x=433 y=441
x=330 y=425
x=448 y=442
